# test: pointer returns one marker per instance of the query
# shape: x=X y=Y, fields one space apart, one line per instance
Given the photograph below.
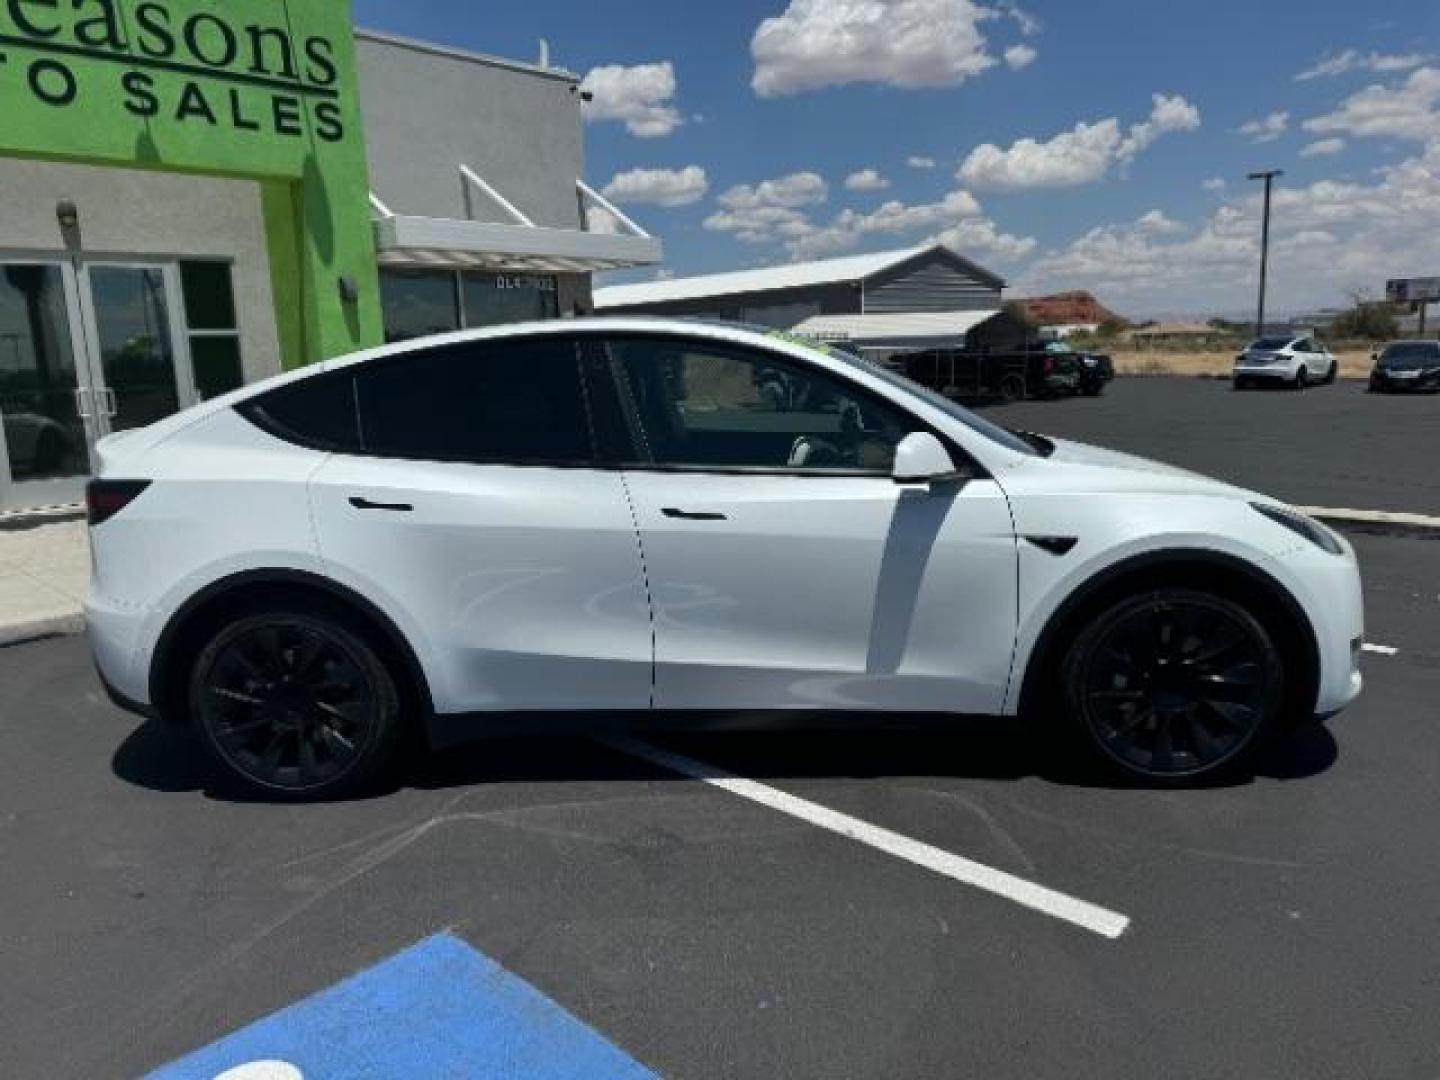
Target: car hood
x=1076 y=466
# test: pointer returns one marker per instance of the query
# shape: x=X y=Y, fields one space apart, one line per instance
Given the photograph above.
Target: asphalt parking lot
x=1334 y=446
x=1282 y=927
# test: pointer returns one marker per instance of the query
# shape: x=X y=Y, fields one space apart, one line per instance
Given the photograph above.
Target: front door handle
x=688 y=515
x=361 y=503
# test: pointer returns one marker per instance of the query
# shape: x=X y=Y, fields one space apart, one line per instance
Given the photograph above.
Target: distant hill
x=1065 y=309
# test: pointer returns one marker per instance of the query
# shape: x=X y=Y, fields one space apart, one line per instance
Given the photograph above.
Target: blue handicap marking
x=438 y=1009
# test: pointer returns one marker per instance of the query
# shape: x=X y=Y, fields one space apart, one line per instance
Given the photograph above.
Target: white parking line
x=1383 y=650
x=1081 y=913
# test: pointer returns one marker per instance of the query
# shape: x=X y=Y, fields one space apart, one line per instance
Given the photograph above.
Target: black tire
x=1094 y=391
x=1302 y=379
x=295 y=705
x=1241 y=383
x=1012 y=388
x=1173 y=687
x=1333 y=373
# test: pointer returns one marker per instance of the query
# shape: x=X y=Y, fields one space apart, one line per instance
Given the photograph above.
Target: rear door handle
x=365 y=504
x=687 y=515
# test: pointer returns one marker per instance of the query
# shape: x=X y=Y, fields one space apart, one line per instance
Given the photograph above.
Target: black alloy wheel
x=1302 y=378
x=1175 y=685
x=294 y=704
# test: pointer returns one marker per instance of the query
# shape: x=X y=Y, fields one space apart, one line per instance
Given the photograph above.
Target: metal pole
x=1269 y=178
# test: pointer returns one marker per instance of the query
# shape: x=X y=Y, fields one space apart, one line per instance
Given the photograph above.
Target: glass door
x=47 y=405
x=136 y=339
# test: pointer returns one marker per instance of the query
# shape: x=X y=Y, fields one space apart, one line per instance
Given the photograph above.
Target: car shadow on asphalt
x=168 y=760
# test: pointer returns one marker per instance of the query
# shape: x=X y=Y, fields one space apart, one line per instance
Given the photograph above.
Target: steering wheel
x=807 y=450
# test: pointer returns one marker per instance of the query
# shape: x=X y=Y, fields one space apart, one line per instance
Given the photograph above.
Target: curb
x=22 y=633
x=1383 y=522
x=23 y=520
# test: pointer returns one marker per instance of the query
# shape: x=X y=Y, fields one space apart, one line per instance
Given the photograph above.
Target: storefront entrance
x=87 y=348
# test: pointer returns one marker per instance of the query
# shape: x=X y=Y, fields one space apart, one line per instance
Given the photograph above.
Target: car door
x=474 y=512
x=787 y=568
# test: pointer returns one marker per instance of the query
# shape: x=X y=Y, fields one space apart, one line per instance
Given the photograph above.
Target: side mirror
x=921 y=458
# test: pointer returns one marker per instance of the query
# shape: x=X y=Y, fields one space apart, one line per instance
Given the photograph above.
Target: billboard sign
x=1413 y=290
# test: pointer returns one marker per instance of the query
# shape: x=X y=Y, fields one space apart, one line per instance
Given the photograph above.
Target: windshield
x=1410 y=356
x=1270 y=344
x=977 y=424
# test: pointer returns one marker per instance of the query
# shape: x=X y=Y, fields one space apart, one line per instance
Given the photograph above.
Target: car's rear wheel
x=1012 y=388
x=1333 y=373
x=1174 y=686
x=295 y=704
x=1241 y=383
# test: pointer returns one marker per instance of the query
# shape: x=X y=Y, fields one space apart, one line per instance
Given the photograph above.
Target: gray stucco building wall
x=428 y=110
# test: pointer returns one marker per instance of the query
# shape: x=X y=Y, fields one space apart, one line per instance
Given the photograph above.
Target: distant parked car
x=1407 y=365
x=1297 y=362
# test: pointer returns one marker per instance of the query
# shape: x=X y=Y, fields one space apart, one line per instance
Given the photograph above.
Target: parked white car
x=1297 y=362
x=613 y=520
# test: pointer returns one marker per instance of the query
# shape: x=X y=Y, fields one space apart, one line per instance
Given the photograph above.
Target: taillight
x=106 y=498
x=1049 y=366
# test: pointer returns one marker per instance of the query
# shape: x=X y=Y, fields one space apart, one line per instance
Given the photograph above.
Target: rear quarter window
x=319 y=412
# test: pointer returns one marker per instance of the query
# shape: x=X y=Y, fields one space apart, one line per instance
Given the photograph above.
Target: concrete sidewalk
x=44 y=571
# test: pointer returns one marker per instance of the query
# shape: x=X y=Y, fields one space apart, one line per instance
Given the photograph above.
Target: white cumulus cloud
x=956 y=215
x=662 y=187
x=1267 y=129
x=920 y=161
x=1409 y=110
x=1082 y=155
x=901 y=43
x=1214 y=183
x=797 y=189
x=642 y=96
x=1323 y=147
x=866 y=180
x=1340 y=63
x=1328 y=237
x=1019 y=56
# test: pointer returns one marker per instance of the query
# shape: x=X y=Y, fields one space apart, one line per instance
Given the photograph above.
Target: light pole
x=1269 y=178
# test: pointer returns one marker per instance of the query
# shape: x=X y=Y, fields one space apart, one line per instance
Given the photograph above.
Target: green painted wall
x=261 y=89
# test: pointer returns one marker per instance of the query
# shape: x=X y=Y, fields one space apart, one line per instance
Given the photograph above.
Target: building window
x=491 y=299
x=213 y=330
x=417 y=303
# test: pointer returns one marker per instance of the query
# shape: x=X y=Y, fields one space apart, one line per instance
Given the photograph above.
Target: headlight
x=1301 y=525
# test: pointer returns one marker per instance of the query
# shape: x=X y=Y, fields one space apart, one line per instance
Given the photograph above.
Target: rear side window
x=504 y=403
x=318 y=412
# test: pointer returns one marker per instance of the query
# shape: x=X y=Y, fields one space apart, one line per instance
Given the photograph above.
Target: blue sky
x=1073 y=145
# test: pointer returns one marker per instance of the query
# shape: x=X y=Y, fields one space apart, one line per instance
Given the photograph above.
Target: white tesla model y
x=664 y=522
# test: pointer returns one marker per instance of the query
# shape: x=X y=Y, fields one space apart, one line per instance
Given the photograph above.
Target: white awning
x=442 y=242
x=411 y=241
x=909 y=328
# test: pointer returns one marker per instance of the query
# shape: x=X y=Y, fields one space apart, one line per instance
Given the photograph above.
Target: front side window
x=698 y=405
x=499 y=402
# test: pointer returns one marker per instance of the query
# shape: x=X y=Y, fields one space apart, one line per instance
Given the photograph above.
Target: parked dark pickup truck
x=1042 y=370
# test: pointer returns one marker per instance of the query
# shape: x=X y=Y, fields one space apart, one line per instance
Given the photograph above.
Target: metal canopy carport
x=904 y=330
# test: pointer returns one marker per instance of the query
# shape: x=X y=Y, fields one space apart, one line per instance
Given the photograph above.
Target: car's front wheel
x=1302 y=379
x=1173 y=686
x=295 y=704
